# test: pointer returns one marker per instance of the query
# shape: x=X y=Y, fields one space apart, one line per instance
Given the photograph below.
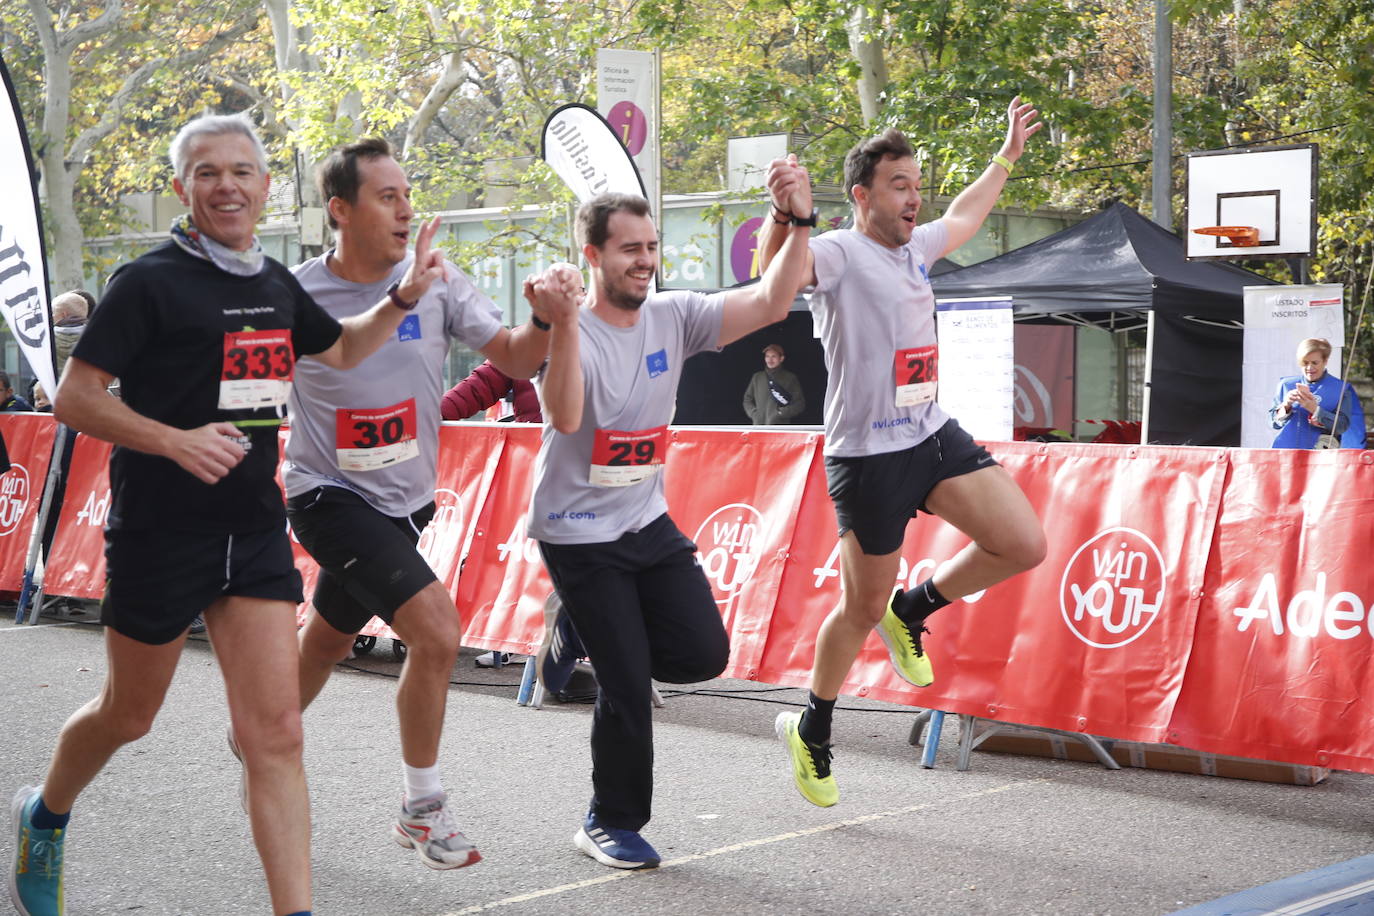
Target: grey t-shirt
x=374 y=429
x=871 y=303
x=630 y=378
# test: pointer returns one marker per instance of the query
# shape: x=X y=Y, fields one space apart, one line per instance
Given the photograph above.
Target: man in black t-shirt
x=203 y=332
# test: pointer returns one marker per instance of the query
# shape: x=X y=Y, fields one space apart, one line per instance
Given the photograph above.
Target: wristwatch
x=396 y=299
x=809 y=221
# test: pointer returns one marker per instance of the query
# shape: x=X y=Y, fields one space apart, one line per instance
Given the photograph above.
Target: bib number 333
x=257 y=369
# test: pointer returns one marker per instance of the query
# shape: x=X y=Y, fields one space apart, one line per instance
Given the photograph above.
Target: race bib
x=257 y=369
x=915 y=371
x=375 y=438
x=622 y=459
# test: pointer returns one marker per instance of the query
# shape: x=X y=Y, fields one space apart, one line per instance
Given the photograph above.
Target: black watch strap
x=807 y=220
x=396 y=300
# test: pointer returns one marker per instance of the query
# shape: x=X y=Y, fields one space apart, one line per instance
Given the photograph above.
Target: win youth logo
x=729 y=544
x=1113 y=588
x=14 y=498
x=442 y=539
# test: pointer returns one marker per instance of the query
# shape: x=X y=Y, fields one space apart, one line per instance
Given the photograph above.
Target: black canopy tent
x=1118 y=271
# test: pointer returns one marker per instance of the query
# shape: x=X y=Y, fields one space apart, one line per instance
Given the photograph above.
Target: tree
x=101 y=66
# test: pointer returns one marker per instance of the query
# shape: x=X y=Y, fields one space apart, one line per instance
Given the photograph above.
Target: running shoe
x=36 y=878
x=903 y=643
x=810 y=762
x=428 y=827
x=243 y=770
x=613 y=846
x=559 y=650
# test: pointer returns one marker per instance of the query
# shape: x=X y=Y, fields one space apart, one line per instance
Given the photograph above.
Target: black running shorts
x=158 y=581
x=368 y=562
x=876 y=495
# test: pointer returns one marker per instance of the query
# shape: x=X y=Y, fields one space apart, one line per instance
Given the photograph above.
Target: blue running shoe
x=559 y=650
x=36 y=879
x=614 y=847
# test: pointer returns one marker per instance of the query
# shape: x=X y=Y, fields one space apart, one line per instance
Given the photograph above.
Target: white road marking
x=737 y=847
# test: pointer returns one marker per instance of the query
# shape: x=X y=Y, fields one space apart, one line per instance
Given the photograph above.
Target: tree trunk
x=866 y=44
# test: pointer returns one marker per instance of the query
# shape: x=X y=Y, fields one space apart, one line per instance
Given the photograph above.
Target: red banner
x=28 y=439
x=1219 y=599
x=1281 y=668
x=77 y=565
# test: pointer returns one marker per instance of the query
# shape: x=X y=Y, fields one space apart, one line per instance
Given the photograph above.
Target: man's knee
x=127 y=725
x=320 y=644
x=1030 y=549
x=430 y=625
x=275 y=736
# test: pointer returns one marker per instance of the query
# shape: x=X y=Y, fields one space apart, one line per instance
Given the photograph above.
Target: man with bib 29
x=360 y=469
x=203 y=333
x=889 y=448
x=628 y=579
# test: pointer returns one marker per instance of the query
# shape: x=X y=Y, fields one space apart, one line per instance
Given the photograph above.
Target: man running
x=628 y=579
x=203 y=332
x=889 y=448
x=360 y=469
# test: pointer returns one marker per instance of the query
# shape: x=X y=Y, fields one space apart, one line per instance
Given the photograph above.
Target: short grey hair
x=212 y=125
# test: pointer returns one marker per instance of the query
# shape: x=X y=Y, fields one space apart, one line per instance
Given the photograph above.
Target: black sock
x=914 y=606
x=44 y=819
x=814 y=726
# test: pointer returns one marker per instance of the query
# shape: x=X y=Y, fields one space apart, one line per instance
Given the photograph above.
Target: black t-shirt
x=181 y=334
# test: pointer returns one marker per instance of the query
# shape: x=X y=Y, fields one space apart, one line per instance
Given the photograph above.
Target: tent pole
x=1149 y=377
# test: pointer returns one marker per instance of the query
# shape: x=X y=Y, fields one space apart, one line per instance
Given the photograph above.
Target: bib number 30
x=375 y=438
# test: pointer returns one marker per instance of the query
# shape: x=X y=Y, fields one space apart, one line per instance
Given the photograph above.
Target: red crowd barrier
x=1219 y=599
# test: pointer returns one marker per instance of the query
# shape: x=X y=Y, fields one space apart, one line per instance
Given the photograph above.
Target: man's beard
x=624 y=300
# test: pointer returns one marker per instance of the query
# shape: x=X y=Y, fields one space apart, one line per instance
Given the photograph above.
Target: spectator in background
x=69 y=313
x=486 y=386
x=774 y=396
x=41 y=402
x=1315 y=409
x=10 y=401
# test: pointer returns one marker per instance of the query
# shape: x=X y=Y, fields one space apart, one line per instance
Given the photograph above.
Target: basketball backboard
x=1271 y=188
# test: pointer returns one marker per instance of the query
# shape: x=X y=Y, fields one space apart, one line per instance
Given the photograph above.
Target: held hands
x=789 y=187
x=427 y=267
x=555 y=294
x=1021 y=126
x=209 y=452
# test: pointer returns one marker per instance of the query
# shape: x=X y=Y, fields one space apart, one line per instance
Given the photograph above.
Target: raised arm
x=363 y=334
x=768 y=301
x=520 y=352
x=967 y=211
x=784 y=178
x=554 y=296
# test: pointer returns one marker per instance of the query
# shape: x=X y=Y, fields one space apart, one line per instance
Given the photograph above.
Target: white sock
x=421 y=782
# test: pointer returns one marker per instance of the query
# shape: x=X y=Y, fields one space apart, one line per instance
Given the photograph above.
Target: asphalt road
x=161 y=832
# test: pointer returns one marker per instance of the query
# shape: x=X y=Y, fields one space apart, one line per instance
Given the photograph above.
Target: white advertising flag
x=23 y=266
x=627 y=97
x=583 y=150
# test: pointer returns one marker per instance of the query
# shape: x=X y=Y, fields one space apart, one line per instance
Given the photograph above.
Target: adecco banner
x=1282 y=667
x=1094 y=639
x=28 y=439
x=77 y=565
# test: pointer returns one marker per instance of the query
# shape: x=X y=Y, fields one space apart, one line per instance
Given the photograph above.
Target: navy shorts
x=876 y=495
x=368 y=562
x=158 y=581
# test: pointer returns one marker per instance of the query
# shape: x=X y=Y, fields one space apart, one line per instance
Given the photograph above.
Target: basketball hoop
x=1240 y=236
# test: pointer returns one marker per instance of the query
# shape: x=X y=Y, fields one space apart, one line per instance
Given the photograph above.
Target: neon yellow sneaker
x=904 y=648
x=810 y=762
